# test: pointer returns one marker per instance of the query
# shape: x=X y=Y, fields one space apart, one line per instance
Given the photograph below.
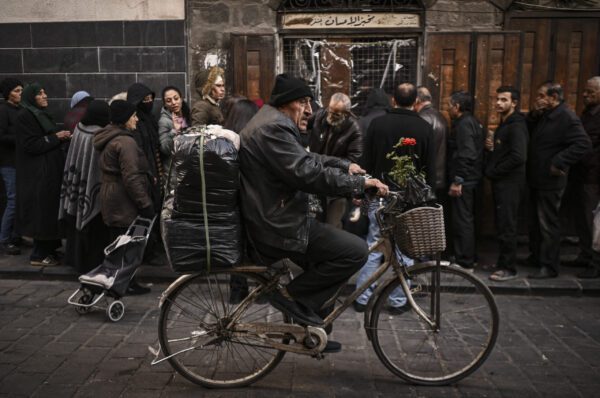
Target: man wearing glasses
x=277 y=175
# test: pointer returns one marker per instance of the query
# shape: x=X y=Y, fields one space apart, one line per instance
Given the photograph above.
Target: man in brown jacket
x=212 y=90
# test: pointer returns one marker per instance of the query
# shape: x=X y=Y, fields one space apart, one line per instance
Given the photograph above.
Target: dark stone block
x=215 y=14
x=55 y=85
x=145 y=33
x=15 y=35
x=138 y=59
x=61 y=60
x=176 y=59
x=175 y=31
x=77 y=34
x=11 y=61
x=58 y=108
x=102 y=85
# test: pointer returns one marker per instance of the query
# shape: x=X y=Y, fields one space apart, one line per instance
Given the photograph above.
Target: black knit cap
x=97 y=114
x=9 y=84
x=288 y=89
x=121 y=111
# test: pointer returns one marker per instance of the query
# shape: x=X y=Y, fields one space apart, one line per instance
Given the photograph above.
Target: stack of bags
x=211 y=168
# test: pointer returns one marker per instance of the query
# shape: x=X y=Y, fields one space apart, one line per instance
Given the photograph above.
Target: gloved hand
x=147 y=212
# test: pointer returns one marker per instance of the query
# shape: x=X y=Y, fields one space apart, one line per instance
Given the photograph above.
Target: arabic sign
x=350 y=20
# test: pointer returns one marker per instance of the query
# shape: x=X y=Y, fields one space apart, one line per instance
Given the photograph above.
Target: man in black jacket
x=506 y=169
x=384 y=133
x=584 y=180
x=335 y=132
x=276 y=175
x=465 y=170
x=557 y=141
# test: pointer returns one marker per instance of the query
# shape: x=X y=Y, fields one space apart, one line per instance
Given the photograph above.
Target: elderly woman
x=174 y=118
x=126 y=179
x=87 y=235
x=40 y=160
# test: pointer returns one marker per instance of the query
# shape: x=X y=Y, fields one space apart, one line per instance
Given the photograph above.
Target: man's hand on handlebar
x=382 y=189
x=355 y=169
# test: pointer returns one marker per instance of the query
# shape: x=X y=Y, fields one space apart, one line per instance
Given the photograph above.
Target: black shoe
x=135 y=289
x=10 y=248
x=398 y=310
x=543 y=273
x=301 y=314
x=589 y=273
x=237 y=295
x=332 y=347
x=358 y=307
x=577 y=262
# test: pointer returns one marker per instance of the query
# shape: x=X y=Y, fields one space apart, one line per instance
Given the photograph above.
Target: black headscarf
x=28 y=102
x=97 y=114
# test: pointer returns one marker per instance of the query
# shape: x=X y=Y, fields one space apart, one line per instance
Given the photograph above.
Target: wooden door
x=253 y=65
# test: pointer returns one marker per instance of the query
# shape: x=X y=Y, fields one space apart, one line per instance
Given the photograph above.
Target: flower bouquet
x=405 y=178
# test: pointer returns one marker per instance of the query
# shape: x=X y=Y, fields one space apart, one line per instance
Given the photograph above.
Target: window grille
x=352 y=66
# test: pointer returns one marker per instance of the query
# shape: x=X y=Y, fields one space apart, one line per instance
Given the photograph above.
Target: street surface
x=548 y=347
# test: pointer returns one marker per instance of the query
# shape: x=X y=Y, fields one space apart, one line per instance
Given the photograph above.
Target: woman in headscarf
x=40 y=161
x=174 y=118
x=87 y=235
x=79 y=104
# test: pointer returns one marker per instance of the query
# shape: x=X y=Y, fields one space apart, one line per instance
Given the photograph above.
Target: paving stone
x=55 y=391
x=18 y=383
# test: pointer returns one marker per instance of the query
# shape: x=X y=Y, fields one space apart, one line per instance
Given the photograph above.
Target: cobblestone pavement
x=548 y=346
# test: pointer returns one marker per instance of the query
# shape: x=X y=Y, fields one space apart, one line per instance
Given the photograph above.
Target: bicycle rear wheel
x=421 y=354
x=193 y=322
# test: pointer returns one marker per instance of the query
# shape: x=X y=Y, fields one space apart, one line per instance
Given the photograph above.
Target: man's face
x=543 y=101
x=218 y=90
x=505 y=104
x=299 y=111
x=336 y=113
x=591 y=94
x=453 y=110
x=41 y=99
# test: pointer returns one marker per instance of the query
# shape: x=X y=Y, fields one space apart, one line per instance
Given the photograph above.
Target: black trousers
x=544 y=227
x=507 y=197
x=586 y=198
x=43 y=248
x=332 y=257
x=463 y=226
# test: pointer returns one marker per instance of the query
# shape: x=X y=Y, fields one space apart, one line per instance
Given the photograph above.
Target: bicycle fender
x=173 y=286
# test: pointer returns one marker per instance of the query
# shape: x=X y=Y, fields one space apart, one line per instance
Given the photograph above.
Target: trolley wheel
x=115 y=310
x=84 y=299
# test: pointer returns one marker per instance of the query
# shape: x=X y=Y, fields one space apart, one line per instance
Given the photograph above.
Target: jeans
x=397 y=298
x=7 y=230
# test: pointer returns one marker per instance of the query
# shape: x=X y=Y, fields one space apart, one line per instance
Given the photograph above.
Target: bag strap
x=205 y=214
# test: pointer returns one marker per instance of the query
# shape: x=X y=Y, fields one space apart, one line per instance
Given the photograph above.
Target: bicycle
x=445 y=332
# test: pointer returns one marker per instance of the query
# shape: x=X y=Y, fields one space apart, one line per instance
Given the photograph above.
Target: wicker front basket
x=420 y=231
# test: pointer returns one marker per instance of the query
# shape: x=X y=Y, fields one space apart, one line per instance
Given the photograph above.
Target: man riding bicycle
x=277 y=176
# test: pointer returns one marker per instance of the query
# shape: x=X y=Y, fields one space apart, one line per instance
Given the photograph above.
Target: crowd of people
x=89 y=179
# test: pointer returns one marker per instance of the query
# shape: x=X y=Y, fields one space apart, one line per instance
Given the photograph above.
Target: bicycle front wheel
x=460 y=339
x=193 y=328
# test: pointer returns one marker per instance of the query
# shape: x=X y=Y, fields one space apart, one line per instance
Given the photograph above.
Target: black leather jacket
x=440 y=139
x=277 y=174
x=345 y=142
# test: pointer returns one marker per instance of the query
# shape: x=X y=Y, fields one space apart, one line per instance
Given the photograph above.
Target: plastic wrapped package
x=194 y=241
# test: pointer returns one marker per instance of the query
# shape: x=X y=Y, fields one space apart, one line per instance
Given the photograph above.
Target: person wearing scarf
x=40 y=159
x=86 y=233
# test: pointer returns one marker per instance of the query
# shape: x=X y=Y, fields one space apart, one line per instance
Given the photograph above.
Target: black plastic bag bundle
x=183 y=220
x=416 y=193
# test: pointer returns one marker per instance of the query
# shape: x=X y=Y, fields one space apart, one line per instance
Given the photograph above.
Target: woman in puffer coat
x=126 y=178
x=174 y=118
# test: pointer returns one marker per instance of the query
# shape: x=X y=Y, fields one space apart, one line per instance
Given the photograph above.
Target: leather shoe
x=301 y=313
x=589 y=273
x=135 y=289
x=543 y=273
x=358 y=307
x=332 y=347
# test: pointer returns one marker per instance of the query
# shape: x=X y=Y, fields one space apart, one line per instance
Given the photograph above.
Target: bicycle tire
x=198 y=309
x=412 y=350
